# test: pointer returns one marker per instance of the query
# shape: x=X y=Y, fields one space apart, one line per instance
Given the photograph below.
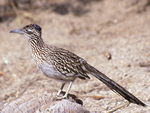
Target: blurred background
x=112 y=35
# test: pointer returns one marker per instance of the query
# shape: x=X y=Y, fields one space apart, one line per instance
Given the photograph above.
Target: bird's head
x=29 y=31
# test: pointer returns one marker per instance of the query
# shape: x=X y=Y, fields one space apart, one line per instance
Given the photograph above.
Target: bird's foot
x=58 y=97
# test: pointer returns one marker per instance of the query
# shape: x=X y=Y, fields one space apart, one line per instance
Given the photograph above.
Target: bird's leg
x=65 y=96
x=70 y=85
x=59 y=91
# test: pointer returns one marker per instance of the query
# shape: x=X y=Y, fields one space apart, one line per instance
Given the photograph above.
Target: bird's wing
x=67 y=63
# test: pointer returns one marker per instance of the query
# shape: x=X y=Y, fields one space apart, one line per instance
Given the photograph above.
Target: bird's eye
x=29 y=31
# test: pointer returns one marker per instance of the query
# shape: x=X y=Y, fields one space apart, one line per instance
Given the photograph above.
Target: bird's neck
x=36 y=46
x=36 y=42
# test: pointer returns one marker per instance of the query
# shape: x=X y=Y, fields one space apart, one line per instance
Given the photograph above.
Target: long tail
x=111 y=84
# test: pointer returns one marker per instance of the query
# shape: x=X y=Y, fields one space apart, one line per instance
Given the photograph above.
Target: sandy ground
x=118 y=27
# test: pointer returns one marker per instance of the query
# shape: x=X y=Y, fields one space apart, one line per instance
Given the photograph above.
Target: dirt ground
x=99 y=28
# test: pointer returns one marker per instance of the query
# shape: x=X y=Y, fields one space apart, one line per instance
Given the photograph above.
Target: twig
x=14 y=7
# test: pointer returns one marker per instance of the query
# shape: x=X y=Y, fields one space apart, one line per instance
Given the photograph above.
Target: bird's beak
x=19 y=31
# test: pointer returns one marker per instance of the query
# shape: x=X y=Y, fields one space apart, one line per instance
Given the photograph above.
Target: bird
x=65 y=66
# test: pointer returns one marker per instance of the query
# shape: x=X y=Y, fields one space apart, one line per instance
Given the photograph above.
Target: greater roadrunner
x=64 y=65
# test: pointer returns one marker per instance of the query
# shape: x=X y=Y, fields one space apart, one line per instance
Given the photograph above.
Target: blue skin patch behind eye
x=29 y=30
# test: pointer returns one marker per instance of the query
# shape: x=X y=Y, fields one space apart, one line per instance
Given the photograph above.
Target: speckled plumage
x=64 y=65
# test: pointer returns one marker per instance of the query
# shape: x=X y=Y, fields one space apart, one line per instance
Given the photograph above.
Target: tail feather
x=112 y=85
